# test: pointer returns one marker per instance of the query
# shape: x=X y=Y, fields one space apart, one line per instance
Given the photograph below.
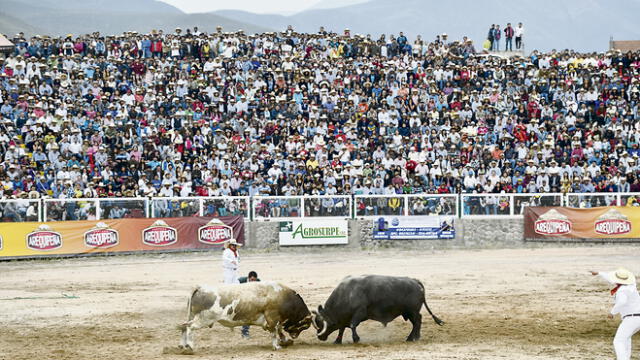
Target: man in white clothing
x=231 y=261
x=519 y=34
x=627 y=304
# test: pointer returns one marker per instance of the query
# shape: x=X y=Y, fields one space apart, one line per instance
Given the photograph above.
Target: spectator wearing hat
x=121 y=116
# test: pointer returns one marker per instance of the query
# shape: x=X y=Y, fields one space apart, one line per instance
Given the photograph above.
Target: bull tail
x=424 y=301
x=435 y=318
x=189 y=314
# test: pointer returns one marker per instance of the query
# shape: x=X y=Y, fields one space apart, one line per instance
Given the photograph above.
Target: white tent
x=5 y=44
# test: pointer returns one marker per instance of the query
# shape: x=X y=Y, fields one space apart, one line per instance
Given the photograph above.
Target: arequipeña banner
x=617 y=222
x=33 y=239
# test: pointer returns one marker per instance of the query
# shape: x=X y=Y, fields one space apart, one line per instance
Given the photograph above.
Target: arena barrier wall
x=611 y=223
x=37 y=239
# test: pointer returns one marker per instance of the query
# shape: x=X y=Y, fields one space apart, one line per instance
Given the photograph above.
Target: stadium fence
x=263 y=208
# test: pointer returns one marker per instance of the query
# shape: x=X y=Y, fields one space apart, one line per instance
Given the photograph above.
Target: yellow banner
x=29 y=239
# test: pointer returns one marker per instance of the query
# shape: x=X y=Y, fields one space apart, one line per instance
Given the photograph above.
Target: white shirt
x=518 y=31
x=627 y=299
x=230 y=260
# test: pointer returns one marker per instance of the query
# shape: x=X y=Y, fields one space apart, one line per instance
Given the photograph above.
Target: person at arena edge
x=231 y=261
x=627 y=304
x=252 y=276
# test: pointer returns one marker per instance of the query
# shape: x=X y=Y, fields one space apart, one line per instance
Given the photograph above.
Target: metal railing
x=589 y=200
x=70 y=209
x=332 y=206
x=507 y=204
x=94 y=208
x=371 y=206
x=199 y=206
x=429 y=204
x=287 y=207
x=20 y=210
x=226 y=206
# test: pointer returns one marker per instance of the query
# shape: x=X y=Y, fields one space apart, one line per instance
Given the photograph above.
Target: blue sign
x=414 y=228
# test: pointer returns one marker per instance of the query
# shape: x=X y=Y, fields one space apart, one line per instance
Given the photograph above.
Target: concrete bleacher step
x=507 y=54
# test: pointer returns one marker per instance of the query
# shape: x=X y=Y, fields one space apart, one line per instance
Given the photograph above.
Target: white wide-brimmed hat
x=623 y=276
x=232 y=241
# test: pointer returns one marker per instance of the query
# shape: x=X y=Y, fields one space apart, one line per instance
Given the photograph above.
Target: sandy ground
x=498 y=304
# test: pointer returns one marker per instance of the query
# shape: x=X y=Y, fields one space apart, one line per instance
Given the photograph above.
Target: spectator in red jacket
x=508 y=37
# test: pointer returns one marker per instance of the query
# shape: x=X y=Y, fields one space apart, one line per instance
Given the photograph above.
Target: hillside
x=109 y=17
x=578 y=24
x=10 y=26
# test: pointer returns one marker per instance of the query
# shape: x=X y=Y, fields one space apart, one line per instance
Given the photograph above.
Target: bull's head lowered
x=294 y=329
x=322 y=323
x=298 y=316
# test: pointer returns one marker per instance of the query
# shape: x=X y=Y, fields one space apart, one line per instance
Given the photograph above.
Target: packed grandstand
x=188 y=113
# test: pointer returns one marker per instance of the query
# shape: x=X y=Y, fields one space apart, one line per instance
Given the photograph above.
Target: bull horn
x=313 y=320
x=324 y=328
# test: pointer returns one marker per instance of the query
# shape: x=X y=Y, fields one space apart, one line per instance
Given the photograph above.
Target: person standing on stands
x=490 y=36
x=231 y=262
x=519 y=33
x=627 y=304
x=253 y=276
x=496 y=38
x=508 y=37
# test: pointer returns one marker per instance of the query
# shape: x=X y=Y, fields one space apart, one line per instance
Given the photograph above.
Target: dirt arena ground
x=498 y=304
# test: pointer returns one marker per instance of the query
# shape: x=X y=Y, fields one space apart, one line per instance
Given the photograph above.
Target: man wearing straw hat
x=231 y=261
x=627 y=304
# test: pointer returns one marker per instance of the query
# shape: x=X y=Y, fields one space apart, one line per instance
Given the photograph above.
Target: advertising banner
x=617 y=222
x=314 y=232
x=117 y=235
x=414 y=228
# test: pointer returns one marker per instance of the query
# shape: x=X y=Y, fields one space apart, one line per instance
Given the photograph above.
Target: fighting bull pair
x=279 y=309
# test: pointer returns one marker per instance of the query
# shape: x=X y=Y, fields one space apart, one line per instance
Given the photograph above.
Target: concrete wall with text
x=470 y=233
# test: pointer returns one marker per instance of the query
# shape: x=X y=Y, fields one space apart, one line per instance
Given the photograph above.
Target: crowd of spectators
x=190 y=113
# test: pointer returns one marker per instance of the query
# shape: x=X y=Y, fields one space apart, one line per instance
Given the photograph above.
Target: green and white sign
x=314 y=232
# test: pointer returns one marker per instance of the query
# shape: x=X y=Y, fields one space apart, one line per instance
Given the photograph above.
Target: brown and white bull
x=272 y=306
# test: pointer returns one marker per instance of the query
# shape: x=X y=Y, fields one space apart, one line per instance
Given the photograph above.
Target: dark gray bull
x=371 y=297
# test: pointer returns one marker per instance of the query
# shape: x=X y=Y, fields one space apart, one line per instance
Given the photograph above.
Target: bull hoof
x=187 y=350
x=286 y=343
x=338 y=342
